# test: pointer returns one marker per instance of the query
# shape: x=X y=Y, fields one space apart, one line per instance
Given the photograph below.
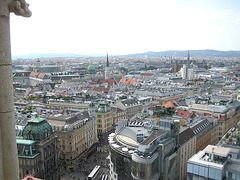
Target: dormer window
x=30 y=135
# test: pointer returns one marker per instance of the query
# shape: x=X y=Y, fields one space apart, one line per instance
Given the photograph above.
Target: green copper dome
x=91 y=67
x=37 y=129
x=91 y=70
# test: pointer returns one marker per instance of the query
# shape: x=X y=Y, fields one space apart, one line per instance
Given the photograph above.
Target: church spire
x=107 y=61
x=188 y=59
x=107 y=69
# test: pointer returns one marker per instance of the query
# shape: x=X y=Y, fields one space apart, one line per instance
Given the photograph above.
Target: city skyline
x=123 y=27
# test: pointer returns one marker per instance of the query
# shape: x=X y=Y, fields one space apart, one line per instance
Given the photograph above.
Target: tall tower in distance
x=188 y=65
x=107 y=69
x=188 y=60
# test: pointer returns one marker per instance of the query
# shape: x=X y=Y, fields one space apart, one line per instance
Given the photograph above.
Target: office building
x=145 y=150
x=214 y=162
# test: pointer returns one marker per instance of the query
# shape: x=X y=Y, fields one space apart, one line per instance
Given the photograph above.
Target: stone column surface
x=9 y=169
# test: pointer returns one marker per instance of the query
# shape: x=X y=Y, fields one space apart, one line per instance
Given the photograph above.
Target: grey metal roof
x=185 y=135
x=155 y=134
x=235 y=104
x=132 y=132
x=219 y=108
x=200 y=126
x=80 y=116
x=129 y=102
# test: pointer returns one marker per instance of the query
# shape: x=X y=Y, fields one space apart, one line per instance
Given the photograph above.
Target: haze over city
x=124 y=27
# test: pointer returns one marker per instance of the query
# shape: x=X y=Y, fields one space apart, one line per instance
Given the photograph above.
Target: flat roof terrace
x=216 y=150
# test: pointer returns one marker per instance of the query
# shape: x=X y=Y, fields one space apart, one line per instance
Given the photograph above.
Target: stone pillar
x=8 y=152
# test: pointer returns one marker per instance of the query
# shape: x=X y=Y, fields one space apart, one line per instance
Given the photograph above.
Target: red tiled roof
x=147 y=74
x=128 y=81
x=172 y=103
x=182 y=113
x=33 y=74
x=38 y=75
x=110 y=82
x=41 y=75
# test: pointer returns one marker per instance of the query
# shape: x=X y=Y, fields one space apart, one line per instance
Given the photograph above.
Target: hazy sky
x=126 y=26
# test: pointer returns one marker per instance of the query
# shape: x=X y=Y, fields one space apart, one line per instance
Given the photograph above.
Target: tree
x=124 y=69
x=169 y=111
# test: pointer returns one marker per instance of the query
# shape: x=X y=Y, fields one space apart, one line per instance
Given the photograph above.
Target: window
x=30 y=135
x=190 y=168
x=195 y=169
x=215 y=174
x=46 y=133
x=201 y=171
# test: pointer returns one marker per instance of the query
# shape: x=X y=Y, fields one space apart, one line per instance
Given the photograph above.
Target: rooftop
x=153 y=136
x=185 y=135
x=217 y=150
x=202 y=159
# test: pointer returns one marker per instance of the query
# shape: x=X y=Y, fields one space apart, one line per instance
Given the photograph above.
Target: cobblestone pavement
x=97 y=158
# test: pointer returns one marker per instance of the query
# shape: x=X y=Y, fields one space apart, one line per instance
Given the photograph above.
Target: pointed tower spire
x=188 y=59
x=107 y=61
x=188 y=56
x=107 y=69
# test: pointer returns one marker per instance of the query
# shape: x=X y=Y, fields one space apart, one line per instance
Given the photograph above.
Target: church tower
x=188 y=65
x=188 y=59
x=107 y=70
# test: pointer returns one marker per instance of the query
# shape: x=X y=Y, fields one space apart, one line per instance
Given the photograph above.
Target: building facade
x=214 y=162
x=144 y=151
x=203 y=131
x=187 y=141
x=119 y=114
x=74 y=138
x=105 y=120
x=131 y=106
x=38 y=151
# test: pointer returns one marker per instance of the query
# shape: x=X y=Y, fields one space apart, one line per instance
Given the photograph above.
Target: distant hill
x=171 y=53
x=193 y=53
x=51 y=55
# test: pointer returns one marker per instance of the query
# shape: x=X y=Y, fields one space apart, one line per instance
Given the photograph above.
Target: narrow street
x=97 y=158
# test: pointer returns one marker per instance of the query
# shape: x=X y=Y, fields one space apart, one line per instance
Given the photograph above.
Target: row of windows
x=28 y=162
x=204 y=171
